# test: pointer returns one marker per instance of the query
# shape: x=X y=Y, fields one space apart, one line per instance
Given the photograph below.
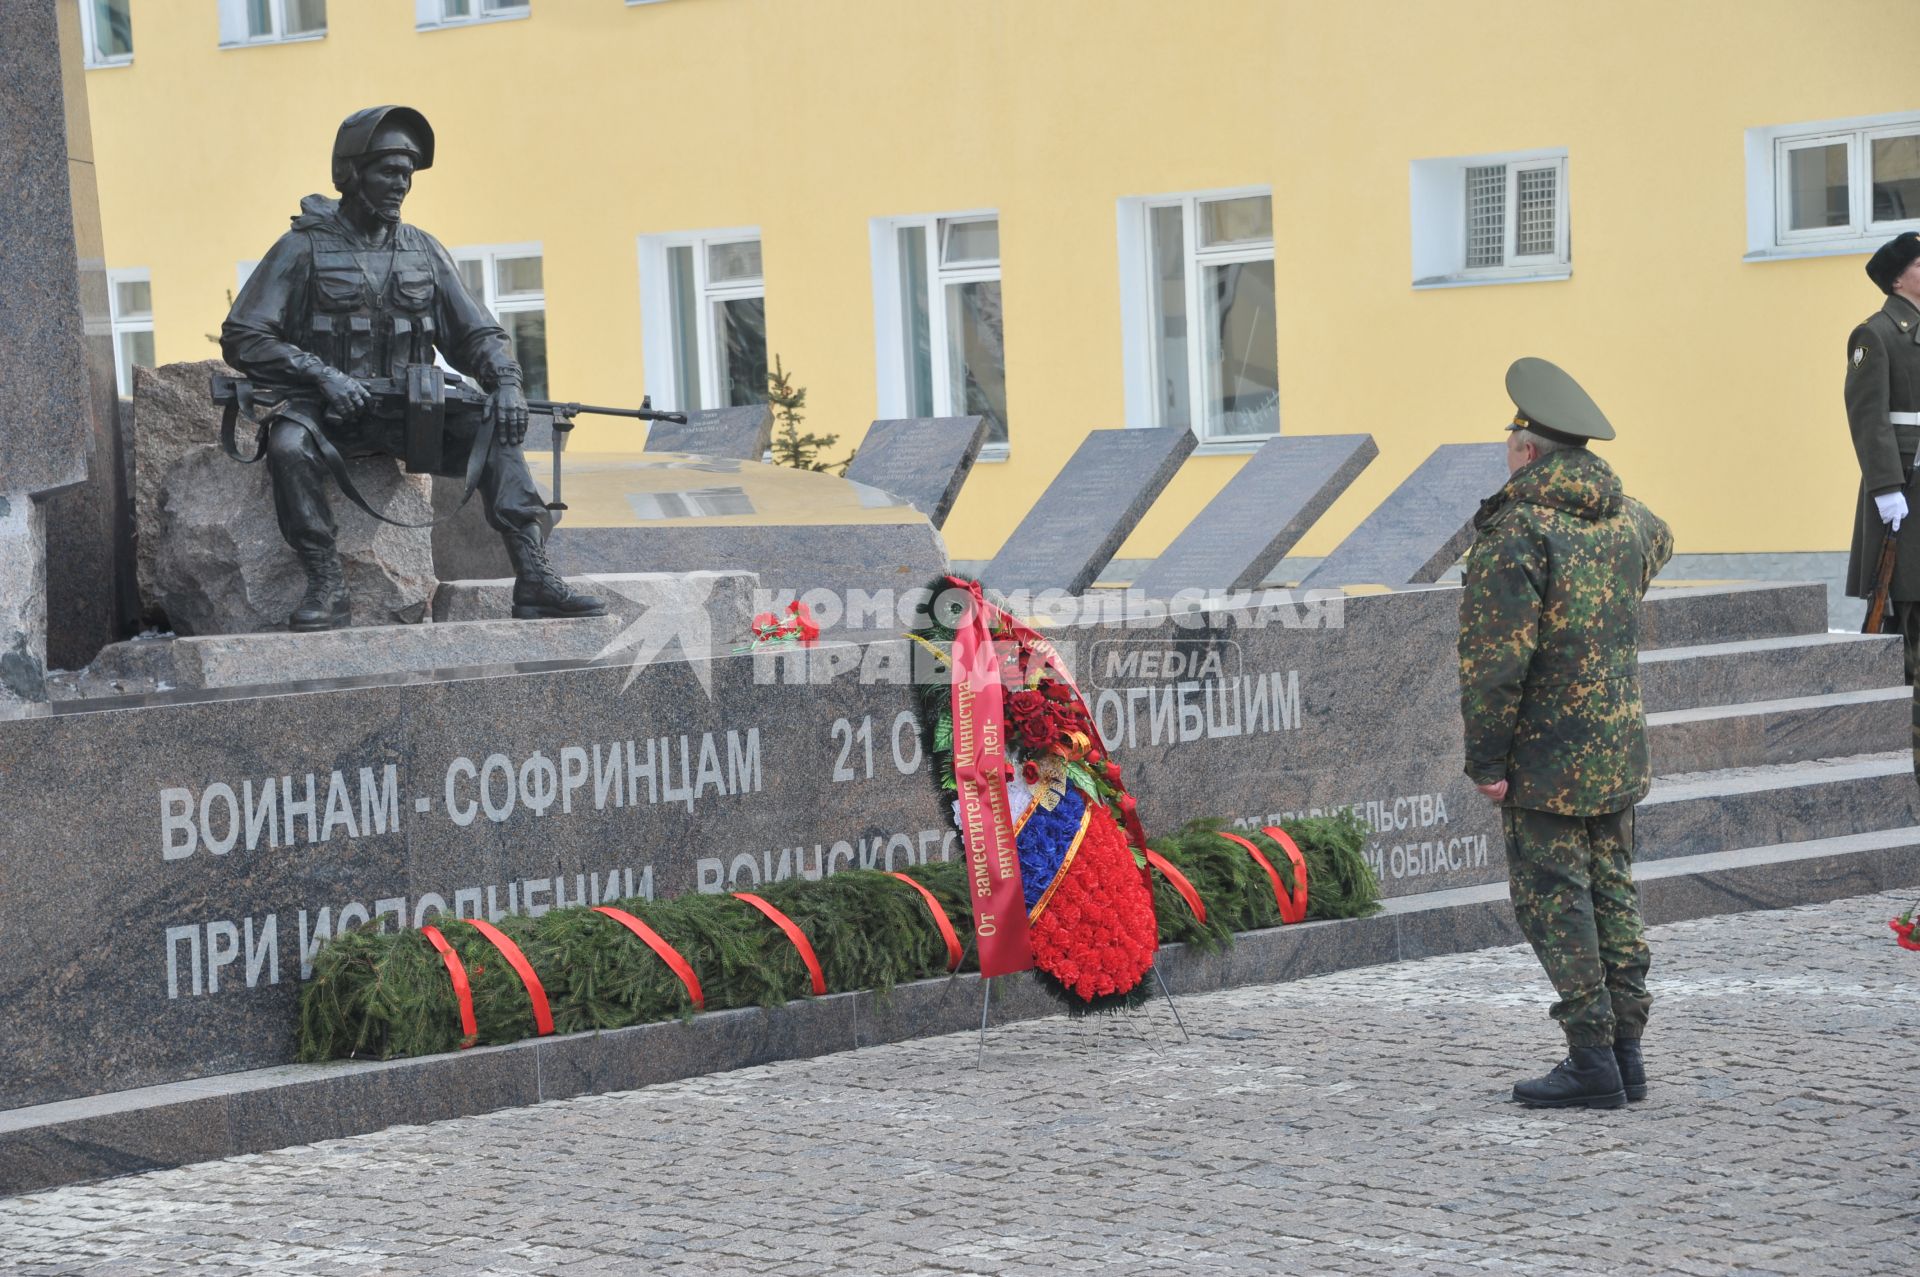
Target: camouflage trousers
x=1571 y=878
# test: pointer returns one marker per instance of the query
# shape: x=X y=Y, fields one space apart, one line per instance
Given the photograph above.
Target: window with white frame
x=1197 y=314
x=508 y=280
x=1834 y=186
x=130 y=304
x=1491 y=218
x=939 y=321
x=428 y=14
x=106 y=31
x=704 y=316
x=271 y=21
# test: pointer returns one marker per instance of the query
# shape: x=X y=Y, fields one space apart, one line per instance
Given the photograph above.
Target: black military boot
x=1633 y=1070
x=1588 y=1078
x=325 y=605
x=539 y=591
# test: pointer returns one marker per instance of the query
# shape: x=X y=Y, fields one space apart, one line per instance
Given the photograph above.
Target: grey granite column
x=23 y=604
x=59 y=429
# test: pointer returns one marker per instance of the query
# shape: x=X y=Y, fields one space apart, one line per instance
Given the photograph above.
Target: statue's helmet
x=380 y=130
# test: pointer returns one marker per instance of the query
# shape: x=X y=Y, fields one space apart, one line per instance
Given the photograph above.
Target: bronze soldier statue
x=1555 y=732
x=352 y=294
x=1883 y=413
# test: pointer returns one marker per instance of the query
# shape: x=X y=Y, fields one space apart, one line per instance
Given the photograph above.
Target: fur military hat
x=1891 y=259
x=1549 y=402
x=380 y=130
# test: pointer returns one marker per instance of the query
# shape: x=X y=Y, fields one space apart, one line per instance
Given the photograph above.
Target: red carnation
x=1030 y=772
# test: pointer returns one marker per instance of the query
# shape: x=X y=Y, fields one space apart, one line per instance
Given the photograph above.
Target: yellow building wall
x=593 y=122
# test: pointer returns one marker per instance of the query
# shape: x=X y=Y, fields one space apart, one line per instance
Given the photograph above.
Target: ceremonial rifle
x=1876 y=621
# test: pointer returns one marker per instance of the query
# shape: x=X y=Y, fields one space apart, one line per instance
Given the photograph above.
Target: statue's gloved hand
x=346 y=398
x=509 y=409
x=1893 y=508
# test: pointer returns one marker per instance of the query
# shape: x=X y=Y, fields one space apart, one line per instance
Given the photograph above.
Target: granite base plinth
x=722 y=601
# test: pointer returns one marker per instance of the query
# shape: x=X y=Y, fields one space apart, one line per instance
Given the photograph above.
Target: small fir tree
x=792 y=447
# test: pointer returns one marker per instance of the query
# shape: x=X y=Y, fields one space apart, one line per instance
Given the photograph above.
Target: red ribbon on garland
x=1178 y=881
x=1903 y=934
x=1287 y=845
x=668 y=954
x=1281 y=897
x=799 y=938
x=536 y=992
x=940 y=919
x=980 y=773
x=462 y=989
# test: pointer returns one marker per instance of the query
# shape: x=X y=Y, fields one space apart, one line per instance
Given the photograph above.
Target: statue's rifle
x=425 y=401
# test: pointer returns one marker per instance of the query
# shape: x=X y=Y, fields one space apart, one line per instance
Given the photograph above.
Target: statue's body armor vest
x=372 y=309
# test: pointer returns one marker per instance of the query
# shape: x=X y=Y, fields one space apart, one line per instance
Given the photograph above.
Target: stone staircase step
x=1791 y=730
x=1707 y=812
x=1686 y=615
x=1754 y=669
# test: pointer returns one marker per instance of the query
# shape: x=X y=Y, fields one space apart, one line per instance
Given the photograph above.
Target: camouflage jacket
x=1549 y=637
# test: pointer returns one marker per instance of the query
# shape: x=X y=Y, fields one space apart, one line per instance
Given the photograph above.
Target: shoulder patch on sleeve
x=1859 y=353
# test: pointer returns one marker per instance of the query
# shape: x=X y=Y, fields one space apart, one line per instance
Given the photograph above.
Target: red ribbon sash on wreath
x=462 y=989
x=536 y=992
x=986 y=817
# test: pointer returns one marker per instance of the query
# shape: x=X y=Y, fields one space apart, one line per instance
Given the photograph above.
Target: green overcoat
x=1883 y=378
x=1549 y=637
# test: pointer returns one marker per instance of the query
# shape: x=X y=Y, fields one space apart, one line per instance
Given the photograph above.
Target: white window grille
x=704 y=317
x=1198 y=320
x=509 y=281
x=1490 y=219
x=939 y=320
x=130 y=307
x=271 y=21
x=432 y=14
x=106 y=31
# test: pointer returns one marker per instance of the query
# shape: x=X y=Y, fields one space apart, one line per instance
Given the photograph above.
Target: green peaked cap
x=1552 y=403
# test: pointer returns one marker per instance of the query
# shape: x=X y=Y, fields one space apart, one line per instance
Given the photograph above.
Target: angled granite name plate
x=1266 y=508
x=1423 y=526
x=742 y=433
x=1080 y=521
x=922 y=459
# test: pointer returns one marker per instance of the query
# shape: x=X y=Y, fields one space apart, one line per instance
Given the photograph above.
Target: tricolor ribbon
x=462 y=989
x=980 y=773
x=668 y=954
x=536 y=992
x=801 y=944
x=954 y=952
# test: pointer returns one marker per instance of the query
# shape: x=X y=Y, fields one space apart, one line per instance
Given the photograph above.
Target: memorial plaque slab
x=923 y=459
x=1085 y=514
x=742 y=433
x=1259 y=515
x=1424 y=525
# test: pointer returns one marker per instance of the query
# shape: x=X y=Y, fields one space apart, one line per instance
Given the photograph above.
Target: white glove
x=1893 y=508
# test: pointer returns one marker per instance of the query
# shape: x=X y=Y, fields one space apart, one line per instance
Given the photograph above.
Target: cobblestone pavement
x=1354 y=1123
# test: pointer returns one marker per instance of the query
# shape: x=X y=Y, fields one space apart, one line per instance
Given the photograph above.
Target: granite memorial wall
x=167 y=870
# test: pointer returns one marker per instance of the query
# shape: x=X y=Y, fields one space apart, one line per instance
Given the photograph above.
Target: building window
x=1197 y=315
x=508 y=281
x=1835 y=187
x=704 y=312
x=938 y=316
x=271 y=21
x=106 y=28
x=130 y=304
x=429 y=14
x=1490 y=219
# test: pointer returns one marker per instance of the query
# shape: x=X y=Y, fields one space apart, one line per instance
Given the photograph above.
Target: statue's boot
x=539 y=591
x=1588 y=1078
x=325 y=605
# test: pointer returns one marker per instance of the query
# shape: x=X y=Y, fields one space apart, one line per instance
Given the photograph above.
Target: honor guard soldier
x=1555 y=732
x=350 y=294
x=1883 y=412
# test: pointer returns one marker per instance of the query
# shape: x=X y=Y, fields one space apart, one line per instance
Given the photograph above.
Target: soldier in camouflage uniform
x=1555 y=733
